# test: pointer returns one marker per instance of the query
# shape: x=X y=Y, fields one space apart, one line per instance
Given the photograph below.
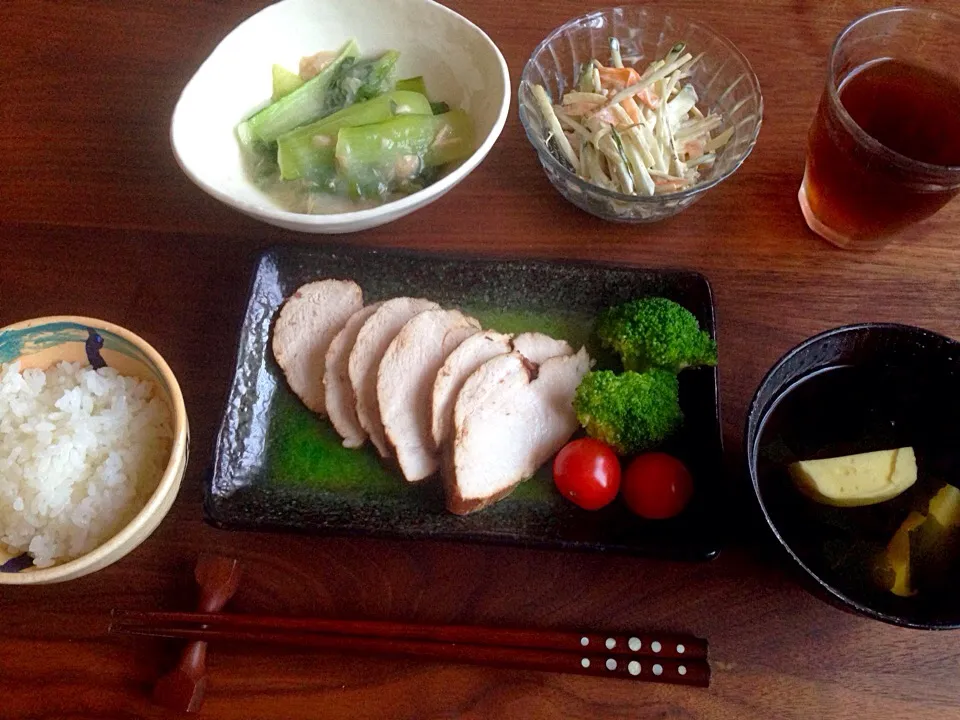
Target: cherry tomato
x=657 y=486
x=587 y=472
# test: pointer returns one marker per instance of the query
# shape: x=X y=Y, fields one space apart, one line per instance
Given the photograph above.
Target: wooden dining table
x=96 y=219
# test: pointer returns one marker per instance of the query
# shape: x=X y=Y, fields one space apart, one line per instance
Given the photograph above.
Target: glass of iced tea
x=884 y=147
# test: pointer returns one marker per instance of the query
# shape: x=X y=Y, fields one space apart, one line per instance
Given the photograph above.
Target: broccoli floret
x=656 y=333
x=631 y=411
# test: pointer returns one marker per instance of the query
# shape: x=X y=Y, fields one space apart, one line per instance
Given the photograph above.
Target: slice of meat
x=537 y=347
x=459 y=365
x=308 y=322
x=486 y=380
x=510 y=418
x=405 y=385
x=311 y=65
x=374 y=338
x=534 y=346
x=340 y=401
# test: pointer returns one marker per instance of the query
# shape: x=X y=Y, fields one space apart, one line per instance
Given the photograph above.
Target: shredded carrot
x=694 y=148
x=616 y=79
x=670 y=185
x=633 y=111
x=649 y=98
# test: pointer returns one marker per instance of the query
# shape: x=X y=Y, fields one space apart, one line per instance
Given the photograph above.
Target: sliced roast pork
x=405 y=382
x=537 y=347
x=374 y=338
x=340 y=401
x=510 y=418
x=467 y=358
x=308 y=322
x=459 y=365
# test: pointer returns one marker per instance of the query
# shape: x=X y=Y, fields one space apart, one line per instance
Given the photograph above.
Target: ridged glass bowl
x=723 y=79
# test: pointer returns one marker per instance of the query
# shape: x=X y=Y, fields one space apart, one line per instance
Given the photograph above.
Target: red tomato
x=657 y=486
x=587 y=472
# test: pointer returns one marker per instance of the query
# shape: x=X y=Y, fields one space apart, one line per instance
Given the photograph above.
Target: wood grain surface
x=96 y=219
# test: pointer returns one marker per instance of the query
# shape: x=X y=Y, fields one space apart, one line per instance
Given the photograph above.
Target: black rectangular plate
x=279 y=466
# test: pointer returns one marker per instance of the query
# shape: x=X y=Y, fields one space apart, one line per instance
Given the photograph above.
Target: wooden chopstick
x=652 y=645
x=695 y=672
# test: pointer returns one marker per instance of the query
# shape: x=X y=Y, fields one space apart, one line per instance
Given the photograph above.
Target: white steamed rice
x=81 y=451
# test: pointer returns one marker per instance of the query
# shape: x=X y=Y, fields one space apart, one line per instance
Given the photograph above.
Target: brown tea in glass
x=884 y=147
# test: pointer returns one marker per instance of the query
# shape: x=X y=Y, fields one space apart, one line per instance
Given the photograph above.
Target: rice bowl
x=83 y=523
x=81 y=450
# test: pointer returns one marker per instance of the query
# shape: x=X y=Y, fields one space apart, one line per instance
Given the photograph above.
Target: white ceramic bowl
x=458 y=62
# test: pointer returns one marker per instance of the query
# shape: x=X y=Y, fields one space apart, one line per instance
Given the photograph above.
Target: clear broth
x=846 y=410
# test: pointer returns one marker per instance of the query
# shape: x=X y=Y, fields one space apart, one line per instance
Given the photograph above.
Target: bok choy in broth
x=343 y=133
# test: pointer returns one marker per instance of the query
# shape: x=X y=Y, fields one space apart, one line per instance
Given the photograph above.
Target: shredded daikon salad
x=639 y=134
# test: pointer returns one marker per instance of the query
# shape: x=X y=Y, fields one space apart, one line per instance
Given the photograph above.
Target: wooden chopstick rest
x=184 y=687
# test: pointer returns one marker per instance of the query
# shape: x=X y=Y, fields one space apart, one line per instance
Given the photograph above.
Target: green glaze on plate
x=280 y=466
x=306 y=450
x=573 y=327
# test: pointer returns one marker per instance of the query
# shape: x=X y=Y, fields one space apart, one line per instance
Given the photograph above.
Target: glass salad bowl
x=724 y=82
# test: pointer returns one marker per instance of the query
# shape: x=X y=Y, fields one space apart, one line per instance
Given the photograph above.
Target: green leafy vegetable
x=284 y=82
x=414 y=84
x=376 y=159
x=308 y=151
x=361 y=80
x=305 y=104
x=351 y=130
